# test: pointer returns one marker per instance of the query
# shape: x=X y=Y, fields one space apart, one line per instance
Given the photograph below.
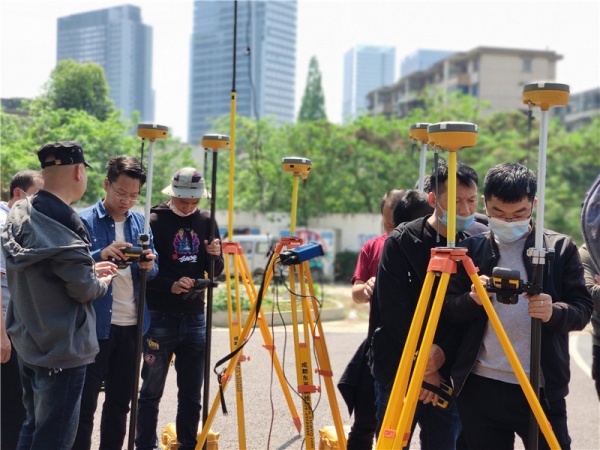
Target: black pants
x=13 y=411
x=114 y=364
x=362 y=433
x=492 y=412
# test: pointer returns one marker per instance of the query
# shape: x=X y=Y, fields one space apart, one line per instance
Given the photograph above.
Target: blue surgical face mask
x=462 y=223
x=508 y=232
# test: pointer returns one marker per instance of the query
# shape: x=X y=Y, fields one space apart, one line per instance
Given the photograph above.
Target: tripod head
x=452 y=135
x=546 y=95
x=297 y=166
x=215 y=141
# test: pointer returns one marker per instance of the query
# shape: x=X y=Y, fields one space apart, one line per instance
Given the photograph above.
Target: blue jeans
x=114 y=364
x=185 y=336
x=52 y=400
x=440 y=427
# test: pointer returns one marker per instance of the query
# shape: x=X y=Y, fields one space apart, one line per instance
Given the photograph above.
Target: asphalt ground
x=268 y=421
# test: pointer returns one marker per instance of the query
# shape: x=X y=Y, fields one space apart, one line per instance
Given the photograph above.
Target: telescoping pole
x=150 y=132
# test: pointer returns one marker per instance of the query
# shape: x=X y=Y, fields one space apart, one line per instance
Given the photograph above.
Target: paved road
x=268 y=421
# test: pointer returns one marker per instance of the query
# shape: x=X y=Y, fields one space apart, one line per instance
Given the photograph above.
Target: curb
x=220 y=319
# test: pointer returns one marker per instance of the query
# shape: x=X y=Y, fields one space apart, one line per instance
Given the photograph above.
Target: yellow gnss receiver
x=152 y=131
x=297 y=165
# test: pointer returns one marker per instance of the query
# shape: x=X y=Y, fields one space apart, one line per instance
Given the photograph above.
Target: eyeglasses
x=120 y=196
x=515 y=218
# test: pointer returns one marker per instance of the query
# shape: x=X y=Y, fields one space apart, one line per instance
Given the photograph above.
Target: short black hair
x=390 y=198
x=411 y=206
x=125 y=165
x=465 y=175
x=23 y=180
x=509 y=183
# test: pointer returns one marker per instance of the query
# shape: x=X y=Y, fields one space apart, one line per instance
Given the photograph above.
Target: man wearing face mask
x=491 y=403
x=185 y=241
x=400 y=277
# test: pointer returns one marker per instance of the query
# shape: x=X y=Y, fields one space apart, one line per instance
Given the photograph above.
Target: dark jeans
x=493 y=411
x=13 y=411
x=185 y=336
x=596 y=367
x=51 y=400
x=115 y=364
x=440 y=427
x=363 y=429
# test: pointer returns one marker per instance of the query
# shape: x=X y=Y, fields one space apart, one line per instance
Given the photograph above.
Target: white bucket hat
x=186 y=183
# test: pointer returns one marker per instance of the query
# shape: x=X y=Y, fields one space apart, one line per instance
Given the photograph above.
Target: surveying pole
x=150 y=132
x=418 y=132
x=213 y=142
x=544 y=96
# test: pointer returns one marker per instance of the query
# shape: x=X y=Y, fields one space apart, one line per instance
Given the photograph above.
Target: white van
x=257 y=249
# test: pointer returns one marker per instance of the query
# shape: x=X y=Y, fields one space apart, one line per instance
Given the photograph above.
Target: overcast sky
x=326 y=29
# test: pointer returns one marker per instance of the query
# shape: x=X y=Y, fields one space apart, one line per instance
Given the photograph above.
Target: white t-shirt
x=124 y=307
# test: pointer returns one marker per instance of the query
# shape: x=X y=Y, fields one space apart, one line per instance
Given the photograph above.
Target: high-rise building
x=421 y=60
x=366 y=67
x=265 y=62
x=116 y=39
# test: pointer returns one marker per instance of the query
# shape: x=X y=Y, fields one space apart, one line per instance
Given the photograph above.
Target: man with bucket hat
x=53 y=280
x=184 y=241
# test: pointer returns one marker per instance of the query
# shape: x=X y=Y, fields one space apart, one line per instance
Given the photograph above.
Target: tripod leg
x=269 y=345
x=235 y=333
x=387 y=433
x=323 y=361
x=227 y=375
x=303 y=358
x=514 y=361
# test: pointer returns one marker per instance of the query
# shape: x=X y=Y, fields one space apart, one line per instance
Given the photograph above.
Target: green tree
x=81 y=86
x=354 y=164
x=313 y=100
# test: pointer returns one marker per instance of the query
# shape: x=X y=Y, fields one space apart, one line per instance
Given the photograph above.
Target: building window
x=527 y=65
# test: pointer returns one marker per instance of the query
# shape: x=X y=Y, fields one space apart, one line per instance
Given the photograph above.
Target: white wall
x=352 y=230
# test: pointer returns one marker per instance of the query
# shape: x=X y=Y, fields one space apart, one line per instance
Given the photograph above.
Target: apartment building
x=495 y=75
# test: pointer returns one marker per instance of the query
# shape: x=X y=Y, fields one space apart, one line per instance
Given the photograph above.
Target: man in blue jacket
x=490 y=401
x=113 y=228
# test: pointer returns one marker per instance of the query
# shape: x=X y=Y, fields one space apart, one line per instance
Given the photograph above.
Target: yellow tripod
x=299 y=167
x=399 y=415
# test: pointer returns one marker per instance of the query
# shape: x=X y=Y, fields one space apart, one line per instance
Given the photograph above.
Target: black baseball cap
x=65 y=153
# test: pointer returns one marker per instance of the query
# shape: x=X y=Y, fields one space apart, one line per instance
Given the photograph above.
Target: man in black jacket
x=185 y=241
x=400 y=277
x=491 y=403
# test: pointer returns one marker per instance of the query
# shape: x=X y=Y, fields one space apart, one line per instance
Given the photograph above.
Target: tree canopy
x=80 y=86
x=352 y=164
x=88 y=118
x=313 y=100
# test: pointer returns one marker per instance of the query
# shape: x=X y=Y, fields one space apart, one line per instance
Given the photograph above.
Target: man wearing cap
x=185 y=239
x=114 y=227
x=53 y=280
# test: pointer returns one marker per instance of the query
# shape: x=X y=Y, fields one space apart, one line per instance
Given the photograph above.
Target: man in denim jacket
x=113 y=228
